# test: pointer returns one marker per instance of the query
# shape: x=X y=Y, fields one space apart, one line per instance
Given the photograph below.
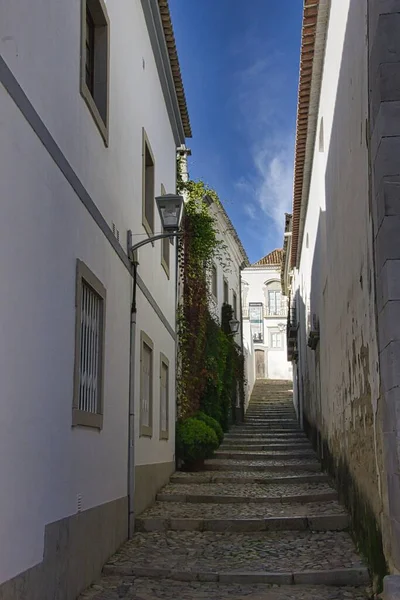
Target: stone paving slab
x=129 y=588
x=216 y=464
x=250 y=476
x=280 y=492
x=188 y=510
x=218 y=553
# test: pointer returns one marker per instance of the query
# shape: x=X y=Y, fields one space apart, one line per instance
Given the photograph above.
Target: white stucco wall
x=44 y=228
x=339 y=382
x=254 y=280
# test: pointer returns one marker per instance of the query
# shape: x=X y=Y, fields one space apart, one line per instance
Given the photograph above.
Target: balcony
x=279 y=311
x=268 y=312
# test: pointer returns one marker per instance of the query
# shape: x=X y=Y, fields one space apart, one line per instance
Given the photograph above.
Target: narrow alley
x=261 y=522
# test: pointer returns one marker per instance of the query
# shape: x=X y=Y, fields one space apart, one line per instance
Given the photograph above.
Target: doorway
x=260 y=364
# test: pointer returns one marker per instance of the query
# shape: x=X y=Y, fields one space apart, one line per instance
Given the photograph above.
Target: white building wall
x=334 y=285
x=254 y=281
x=44 y=227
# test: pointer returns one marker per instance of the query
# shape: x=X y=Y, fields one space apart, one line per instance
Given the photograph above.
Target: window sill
x=164 y=435
x=81 y=418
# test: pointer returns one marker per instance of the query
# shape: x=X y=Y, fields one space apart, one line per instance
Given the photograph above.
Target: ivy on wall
x=210 y=365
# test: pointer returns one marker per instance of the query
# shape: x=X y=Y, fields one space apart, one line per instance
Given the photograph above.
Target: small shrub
x=213 y=423
x=195 y=440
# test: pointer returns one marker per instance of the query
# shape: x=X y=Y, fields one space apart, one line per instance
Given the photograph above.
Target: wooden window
x=95 y=62
x=89 y=349
x=146 y=385
x=148 y=198
x=226 y=291
x=214 y=281
x=164 y=397
x=165 y=246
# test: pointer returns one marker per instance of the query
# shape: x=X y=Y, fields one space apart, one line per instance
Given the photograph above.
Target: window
x=256 y=321
x=148 y=198
x=234 y=300
x=226 y=291
x=214 y=282
x=164 y=396
x=165 y=244
x=89 y=349
x=95 y=62
x=274 y=299
x=146 y=385
x=275 y=339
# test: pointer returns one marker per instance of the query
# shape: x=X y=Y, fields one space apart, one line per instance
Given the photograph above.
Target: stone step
x=157 y=589
x=327 y=522
x=249 y=477
x=278 y=421
x=285 y=435
x=262 y=455
x=284 y=557
x=278 y=428
x=266 y=438
x=233 y=493
x=252 y=445
x=240 y=511
x=216 y=464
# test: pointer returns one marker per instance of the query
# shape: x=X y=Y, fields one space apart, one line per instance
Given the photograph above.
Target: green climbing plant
x=208 y=359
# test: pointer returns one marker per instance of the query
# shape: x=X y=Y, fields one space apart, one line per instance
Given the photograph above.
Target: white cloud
x=269 y=183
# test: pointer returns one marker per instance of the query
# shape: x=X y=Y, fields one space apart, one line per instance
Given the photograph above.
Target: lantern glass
x=170 y=207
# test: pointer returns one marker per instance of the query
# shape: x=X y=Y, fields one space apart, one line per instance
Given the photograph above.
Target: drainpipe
x=131 y=418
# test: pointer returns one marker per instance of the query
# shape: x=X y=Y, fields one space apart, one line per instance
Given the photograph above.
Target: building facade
x=264 y=319
x=92 y=110
x=342 y=259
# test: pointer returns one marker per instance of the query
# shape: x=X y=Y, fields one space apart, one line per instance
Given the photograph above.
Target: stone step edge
x=350 y=576
x=328 y=522
x=253 y=446
x=317 y=478
x=248 y=455
x=311 y=466
x=225 y=499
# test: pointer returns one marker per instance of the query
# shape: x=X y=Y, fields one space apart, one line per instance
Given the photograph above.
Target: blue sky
x=240 y=64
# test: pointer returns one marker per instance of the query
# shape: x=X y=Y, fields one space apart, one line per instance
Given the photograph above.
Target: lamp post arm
x=150 y=240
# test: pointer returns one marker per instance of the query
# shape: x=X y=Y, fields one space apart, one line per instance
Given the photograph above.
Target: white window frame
x=272 y=332
x=80 y=417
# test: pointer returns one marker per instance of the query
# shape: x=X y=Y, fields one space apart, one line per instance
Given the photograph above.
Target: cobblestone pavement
x=216 y=563
x=279 y=552
x=129 y=588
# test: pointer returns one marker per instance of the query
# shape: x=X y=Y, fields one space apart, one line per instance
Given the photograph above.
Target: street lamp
x=170 y=208
x=234 y=325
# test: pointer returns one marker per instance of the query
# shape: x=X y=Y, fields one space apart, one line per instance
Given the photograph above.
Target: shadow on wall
x=337 y=391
